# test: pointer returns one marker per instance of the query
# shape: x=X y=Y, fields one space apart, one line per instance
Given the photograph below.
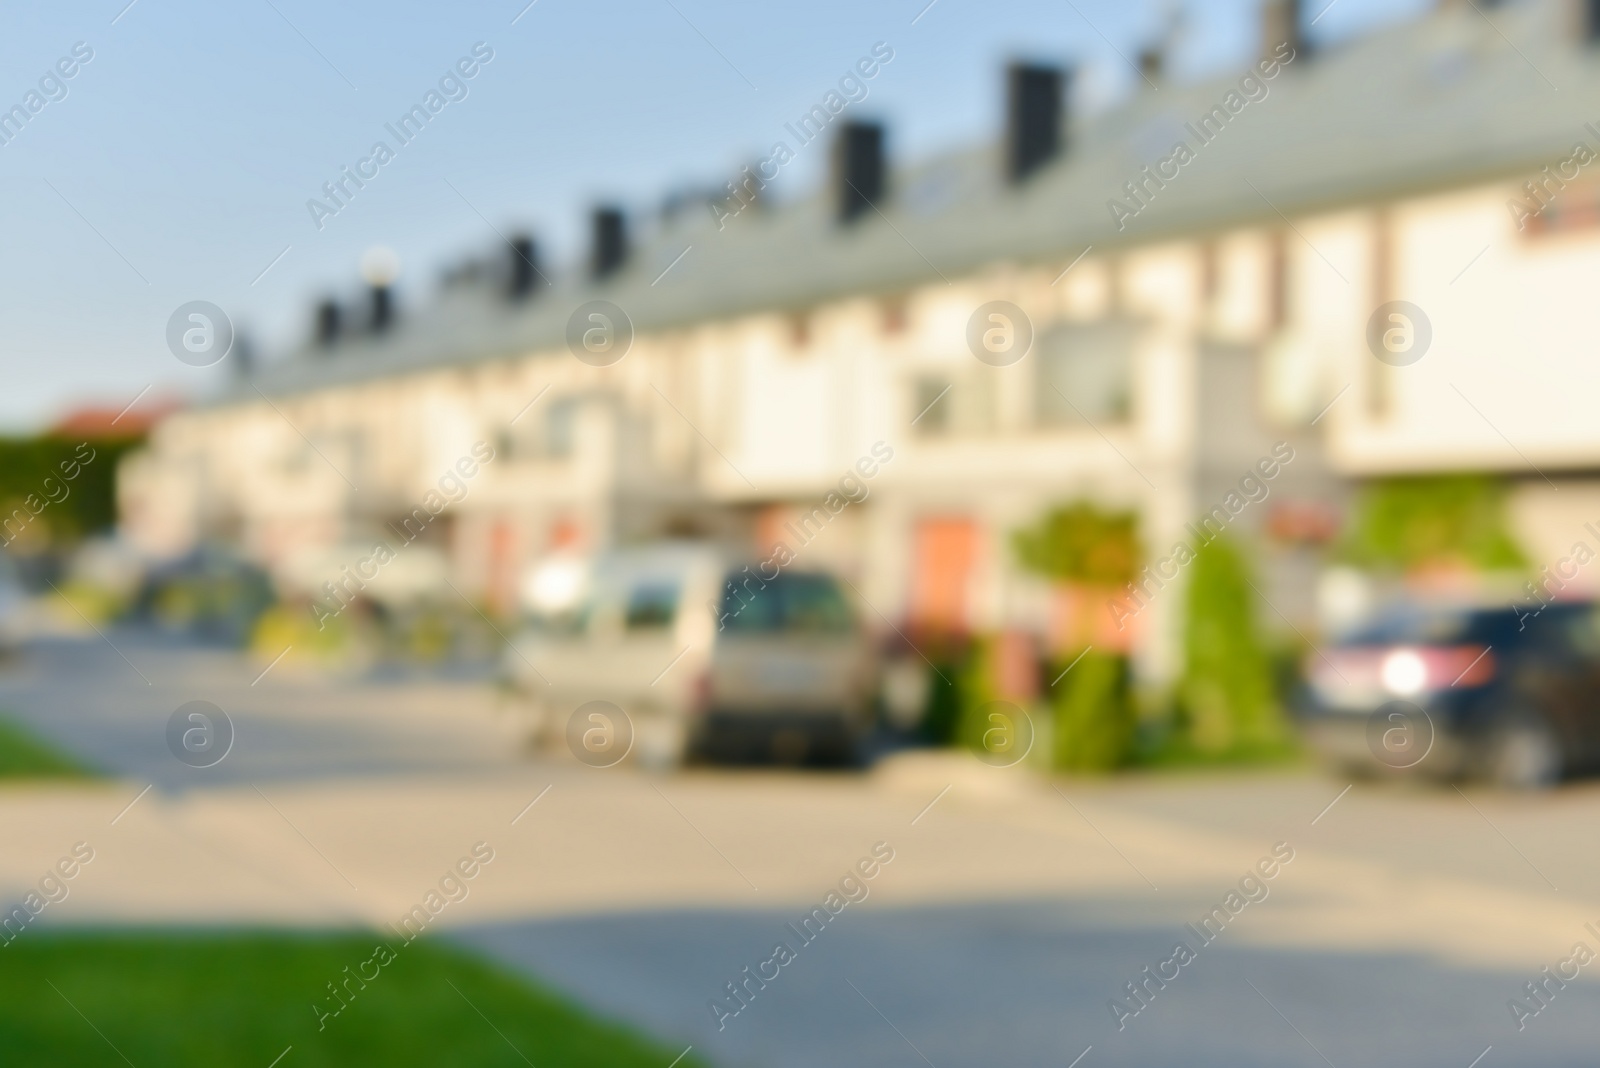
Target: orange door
x=946 y=552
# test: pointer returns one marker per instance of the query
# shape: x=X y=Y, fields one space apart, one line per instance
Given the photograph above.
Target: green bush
x=941 y=717
x=975 y=688
x=1226 y=697
x=1093 y=714
x=1405 y=523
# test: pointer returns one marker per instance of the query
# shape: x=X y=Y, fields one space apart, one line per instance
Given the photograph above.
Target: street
x=1011 y=913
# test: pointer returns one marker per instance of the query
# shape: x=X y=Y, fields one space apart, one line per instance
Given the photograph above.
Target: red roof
x=96 y=421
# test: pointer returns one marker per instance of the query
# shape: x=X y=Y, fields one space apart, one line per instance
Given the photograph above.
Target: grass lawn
x=177 y=999
x=22 y=756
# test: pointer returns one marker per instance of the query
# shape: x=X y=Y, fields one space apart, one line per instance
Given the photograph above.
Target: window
x=1085 y=374
x=789 y=603
x=930 y=407
x=560 y=420
x=548 y=433
x=651 y=606
x=944 y=405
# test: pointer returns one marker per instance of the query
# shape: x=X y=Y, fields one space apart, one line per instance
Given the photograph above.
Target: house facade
x=1202 y=284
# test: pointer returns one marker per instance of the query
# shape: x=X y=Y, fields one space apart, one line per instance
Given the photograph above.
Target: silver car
x=669 y=651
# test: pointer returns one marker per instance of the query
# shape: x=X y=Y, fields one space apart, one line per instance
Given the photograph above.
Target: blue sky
x=179 y=163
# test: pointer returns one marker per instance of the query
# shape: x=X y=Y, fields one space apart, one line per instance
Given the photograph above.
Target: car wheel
x=662 y=743
x=1525 y=754
x=1355 y=770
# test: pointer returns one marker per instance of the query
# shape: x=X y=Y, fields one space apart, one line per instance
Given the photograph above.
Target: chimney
x=327 y=323
x=610 y=242
x=1033 y=118
x=380 y=266
x=381 y=299
x=1280 y=24
x=524 y=266
x=1152 y=63
x=858 y=168
x=244 y=356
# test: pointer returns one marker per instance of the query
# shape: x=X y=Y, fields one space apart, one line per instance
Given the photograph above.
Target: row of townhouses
x=1195 y=278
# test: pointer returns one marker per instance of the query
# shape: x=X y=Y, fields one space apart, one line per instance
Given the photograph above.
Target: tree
x=1081 y=544
x=1091 y=705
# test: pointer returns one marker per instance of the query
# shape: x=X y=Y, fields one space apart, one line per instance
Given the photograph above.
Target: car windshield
x=651 y=605
x=807 y=604
x=1418 y=625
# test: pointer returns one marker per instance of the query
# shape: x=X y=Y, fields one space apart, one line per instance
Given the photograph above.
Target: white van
x=704 y=656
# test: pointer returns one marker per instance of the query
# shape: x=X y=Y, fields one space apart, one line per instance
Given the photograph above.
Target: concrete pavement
x=1011 y=913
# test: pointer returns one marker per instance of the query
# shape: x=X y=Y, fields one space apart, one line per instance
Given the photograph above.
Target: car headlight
x=1404 y=673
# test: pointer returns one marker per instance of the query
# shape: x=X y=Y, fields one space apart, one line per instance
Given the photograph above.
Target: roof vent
x=1033 y=117
x=858 y=168
x=610 y=241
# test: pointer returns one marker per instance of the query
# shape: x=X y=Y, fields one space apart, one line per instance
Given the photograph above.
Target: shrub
x=1226 y=696
x=1093 y=714
x=974 y=688
x=1407 y=523
x=941 y=717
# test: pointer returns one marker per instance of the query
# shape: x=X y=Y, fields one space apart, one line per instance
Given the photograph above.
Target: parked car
x=212 y=593
x=1503 y=695
x=704 y=655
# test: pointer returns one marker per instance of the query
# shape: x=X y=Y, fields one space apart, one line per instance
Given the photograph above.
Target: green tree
x=1081 y=544
x=78 y=506
x=1091 y=706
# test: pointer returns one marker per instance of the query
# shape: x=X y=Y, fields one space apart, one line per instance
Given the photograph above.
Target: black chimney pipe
x=524 y=266
x=1281 y=23
x=244 y=356
x=327 y=323
x=1034 y=96
x=610 y=241
x=1152 y=64
x=382 y=298
x=859 y=172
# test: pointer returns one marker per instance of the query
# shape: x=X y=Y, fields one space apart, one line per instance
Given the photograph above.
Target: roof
x=98 y=422
x=1441 y=102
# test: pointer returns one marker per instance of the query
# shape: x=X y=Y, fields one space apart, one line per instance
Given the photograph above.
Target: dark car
x=212 y=594
x=1496 y=694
